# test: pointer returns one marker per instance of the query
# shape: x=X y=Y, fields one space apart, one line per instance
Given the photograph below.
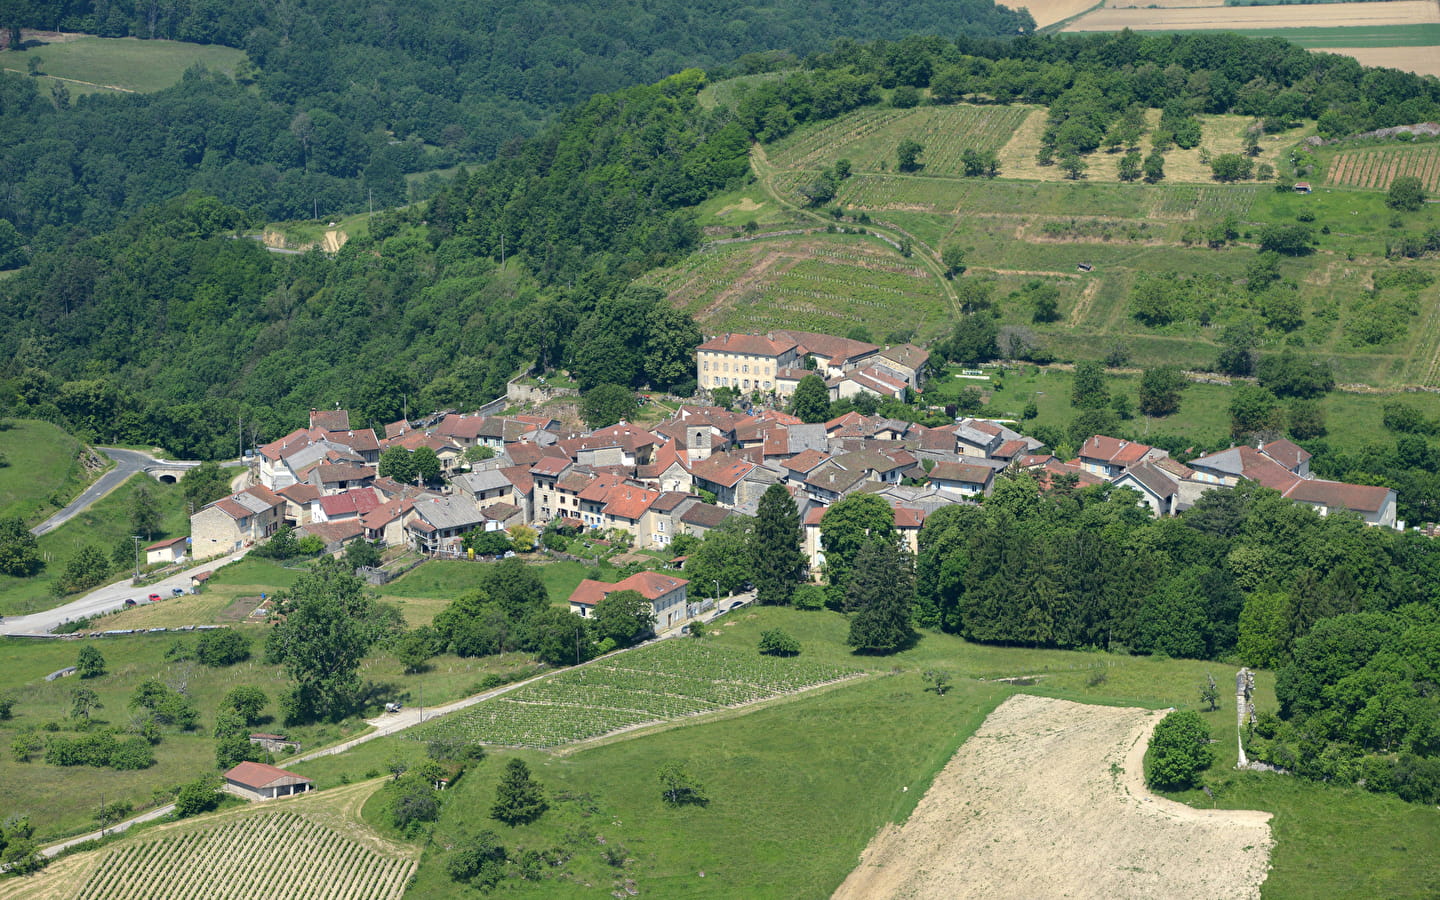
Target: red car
x=154 y=598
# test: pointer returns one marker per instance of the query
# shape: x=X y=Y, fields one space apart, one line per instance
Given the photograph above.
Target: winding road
x=127 y=463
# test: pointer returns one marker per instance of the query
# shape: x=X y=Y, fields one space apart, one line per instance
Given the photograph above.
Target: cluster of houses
x=688 y=474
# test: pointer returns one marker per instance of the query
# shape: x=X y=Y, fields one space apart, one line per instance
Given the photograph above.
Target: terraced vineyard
x=660 y=683
x=817 y=282
x=869 y=138
x=271 y=855
x=1376 y=168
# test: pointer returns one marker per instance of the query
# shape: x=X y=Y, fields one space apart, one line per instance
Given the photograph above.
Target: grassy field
x=868 y=138
x=92 y=64
x=1355 y=419
x=818 y=282
x=43 y=468
x=1319 y=37
x=105 y=525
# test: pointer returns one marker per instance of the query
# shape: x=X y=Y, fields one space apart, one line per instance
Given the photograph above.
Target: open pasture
x=1047 y=799
x=1048 y=12
x=92 y=64
x=1375 y=168
x=818 y=282
x=653 y=685
x=1233 y=18
x=868 y=138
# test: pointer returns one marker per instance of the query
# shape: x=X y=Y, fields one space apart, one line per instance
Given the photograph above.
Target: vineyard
x=818 y=283
x=270 y=855
x=661 y=683
x=869 y=138
x=1375 y=169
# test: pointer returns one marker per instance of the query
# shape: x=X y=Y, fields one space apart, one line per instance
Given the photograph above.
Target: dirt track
x=1047 y=800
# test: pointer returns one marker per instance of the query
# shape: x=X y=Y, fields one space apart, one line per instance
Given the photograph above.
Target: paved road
x=103 y=600
x=156 y=813
x=127 y=463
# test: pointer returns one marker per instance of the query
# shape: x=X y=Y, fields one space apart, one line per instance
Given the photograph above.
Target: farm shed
x=257 y=781
x=169 y=551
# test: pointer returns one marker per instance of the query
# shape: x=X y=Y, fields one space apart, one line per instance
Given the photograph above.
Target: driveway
x=127 y=463
x=105 y=599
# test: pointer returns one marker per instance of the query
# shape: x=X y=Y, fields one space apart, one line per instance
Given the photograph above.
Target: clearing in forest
x=1047 y=800
x=869 y=137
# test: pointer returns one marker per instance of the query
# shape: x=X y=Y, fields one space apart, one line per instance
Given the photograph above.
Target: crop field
x=281 y=854
x=1234 y=18
x=818 y=282
x=1067 y=776
x=653 y=685
x=1048 y=12
x=1376 y=168
x=868 y=138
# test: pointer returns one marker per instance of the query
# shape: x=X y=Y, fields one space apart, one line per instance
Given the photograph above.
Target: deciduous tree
x=811 y=400
x=1179 y=750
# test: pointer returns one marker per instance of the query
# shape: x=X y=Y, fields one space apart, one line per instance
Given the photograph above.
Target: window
x=747 y=369
x=767 y=385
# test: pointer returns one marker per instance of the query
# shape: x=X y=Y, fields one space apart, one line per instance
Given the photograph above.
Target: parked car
x=129 y=602
x=155 y=598
x=392 y=707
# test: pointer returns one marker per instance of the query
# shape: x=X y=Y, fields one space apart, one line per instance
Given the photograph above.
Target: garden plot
x=660 y=683
x=1047 y=800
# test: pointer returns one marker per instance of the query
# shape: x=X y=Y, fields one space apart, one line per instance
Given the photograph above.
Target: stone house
x=232 y=522
x=258 y=781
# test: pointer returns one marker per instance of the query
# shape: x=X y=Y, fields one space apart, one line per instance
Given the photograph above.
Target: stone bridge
x=169 y=471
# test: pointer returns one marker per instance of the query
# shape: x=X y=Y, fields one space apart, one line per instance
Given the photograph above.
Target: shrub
x=224 y=647
x=479 y=861
x=809 y=596
x=197 y=797
x=775 y=642
x=1179 y=750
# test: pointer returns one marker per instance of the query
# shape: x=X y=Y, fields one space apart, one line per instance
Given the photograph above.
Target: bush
x=775 y=642
x=197 y=797
x=809 y=596
x=479 y=861
x=1179 y=750
x=224 y=647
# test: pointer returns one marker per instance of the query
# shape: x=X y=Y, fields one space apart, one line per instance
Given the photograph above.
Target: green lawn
x=105 y=525
x=43 y=468
x=125 y=64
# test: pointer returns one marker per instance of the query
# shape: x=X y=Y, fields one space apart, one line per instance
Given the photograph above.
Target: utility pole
x=136 y=538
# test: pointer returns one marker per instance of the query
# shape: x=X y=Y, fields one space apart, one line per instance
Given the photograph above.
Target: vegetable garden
x=1376 y=168
x=272 y=855
x=660 y=683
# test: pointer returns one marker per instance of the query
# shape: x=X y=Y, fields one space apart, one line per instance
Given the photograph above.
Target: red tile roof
x=722 y=470
x=168 y=542
x=256 y=775
x=805 y=460
x=627 y=502
x=747 y=344
x=1113 y=450
x=1336 y=494
x=963 y=473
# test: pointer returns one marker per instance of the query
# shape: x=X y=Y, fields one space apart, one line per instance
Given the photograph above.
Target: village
x=643 y=487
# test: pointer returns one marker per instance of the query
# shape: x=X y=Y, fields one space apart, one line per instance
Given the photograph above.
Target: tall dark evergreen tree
x=776 y=555
x=518 y=798
x=881 y=590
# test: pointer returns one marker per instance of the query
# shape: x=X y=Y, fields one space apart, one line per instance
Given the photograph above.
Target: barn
x=258 y=781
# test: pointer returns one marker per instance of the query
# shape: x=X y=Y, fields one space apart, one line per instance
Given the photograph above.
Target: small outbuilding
x=1302 y=187
x=168 y=551
x=258 y=781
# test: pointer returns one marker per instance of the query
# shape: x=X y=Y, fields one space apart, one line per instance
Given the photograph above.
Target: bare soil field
x=1048 y=12
x=1324 y=15
x=1420 y=60
x=1159 y=4
x=1047 y=800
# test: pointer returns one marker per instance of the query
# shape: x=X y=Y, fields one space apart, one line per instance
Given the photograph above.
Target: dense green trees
x=1406 y=192
x=848 y=526
x=880 y=590
x=622 y=617
x=19 y=551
